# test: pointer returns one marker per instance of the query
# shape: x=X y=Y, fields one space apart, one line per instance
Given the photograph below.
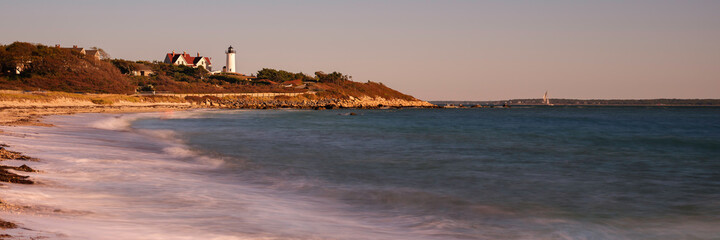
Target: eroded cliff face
x=324 y=103
x=368 y=102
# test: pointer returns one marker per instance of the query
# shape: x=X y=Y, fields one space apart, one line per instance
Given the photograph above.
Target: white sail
x=546 y=101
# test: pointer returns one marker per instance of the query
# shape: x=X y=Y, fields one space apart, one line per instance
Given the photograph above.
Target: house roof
x=142 y=67
x=188 y=58
x=76 y=49
x=73 y=48
x=174 y=56
x=197 y=59
x=92 y=52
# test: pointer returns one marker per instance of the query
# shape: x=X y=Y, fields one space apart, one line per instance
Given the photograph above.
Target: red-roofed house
x=187 y=60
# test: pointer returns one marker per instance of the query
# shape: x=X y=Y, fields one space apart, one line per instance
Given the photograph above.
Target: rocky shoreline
x=316 y=104
x=12 y=177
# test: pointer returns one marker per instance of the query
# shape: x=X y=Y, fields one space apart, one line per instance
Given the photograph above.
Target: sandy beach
x=17 y=110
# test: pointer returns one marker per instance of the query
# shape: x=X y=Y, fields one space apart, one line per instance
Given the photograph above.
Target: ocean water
x=519 y=173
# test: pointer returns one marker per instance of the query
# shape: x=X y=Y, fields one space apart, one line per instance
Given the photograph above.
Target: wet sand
x=23 y=113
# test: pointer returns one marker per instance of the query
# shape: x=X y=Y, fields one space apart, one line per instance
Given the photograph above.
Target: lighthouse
x=230 y=61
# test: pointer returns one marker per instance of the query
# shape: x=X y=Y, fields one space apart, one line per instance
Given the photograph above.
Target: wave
x=104 y=180
x=123 y=122
x=117 y=123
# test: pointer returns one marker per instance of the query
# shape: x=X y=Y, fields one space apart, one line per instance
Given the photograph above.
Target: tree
x=3 y=61
x=102 y=52
x=124 y=66
x=20 y=55
x=281 y=75
x=334 y=77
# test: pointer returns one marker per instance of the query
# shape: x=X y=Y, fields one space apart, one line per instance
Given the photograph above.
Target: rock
x=6 y=225
x=6 y=176
x=25 y=168
x=12 y=155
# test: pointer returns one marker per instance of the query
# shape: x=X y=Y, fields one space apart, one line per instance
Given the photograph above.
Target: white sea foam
x=103 y=180
x=120 y=122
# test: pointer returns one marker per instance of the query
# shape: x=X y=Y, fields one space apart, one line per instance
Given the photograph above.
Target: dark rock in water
x=25 y=168
x=6 y=154
x=353 y=114
x=6 y=176
x=6 y=225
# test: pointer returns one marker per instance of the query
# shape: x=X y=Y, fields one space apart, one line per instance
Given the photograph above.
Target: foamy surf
x=102 y=179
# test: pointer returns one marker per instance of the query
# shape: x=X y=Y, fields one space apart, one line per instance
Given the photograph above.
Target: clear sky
x=433 y=50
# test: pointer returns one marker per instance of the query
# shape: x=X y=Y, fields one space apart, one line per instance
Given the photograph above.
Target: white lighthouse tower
x=230 y=61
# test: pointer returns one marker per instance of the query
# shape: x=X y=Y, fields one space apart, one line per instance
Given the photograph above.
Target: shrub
x=101 y=101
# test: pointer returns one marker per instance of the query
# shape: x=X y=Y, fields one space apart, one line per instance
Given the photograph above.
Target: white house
x=187 y=60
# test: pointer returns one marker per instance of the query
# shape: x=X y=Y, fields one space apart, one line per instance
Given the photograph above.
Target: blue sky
x=434 y=50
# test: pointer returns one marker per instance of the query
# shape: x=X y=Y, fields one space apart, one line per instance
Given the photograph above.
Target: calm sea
x=518 y=173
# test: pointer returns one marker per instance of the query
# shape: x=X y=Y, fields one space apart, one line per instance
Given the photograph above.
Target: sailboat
x=546 y=100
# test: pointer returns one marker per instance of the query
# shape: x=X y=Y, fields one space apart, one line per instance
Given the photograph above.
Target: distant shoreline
x=25 y=108
x=591 y=102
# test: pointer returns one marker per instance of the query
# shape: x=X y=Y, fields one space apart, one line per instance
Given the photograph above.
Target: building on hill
x=187 y=60
x=73 y=48
x=93 y=53
x=19 y=67
x=142 y=70
x=90 y=52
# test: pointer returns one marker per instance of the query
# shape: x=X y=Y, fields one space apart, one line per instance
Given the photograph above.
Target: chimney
x=198 y=54
x=74 y=46
x=173 y=52
x=57 y=45
x=184 y=53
